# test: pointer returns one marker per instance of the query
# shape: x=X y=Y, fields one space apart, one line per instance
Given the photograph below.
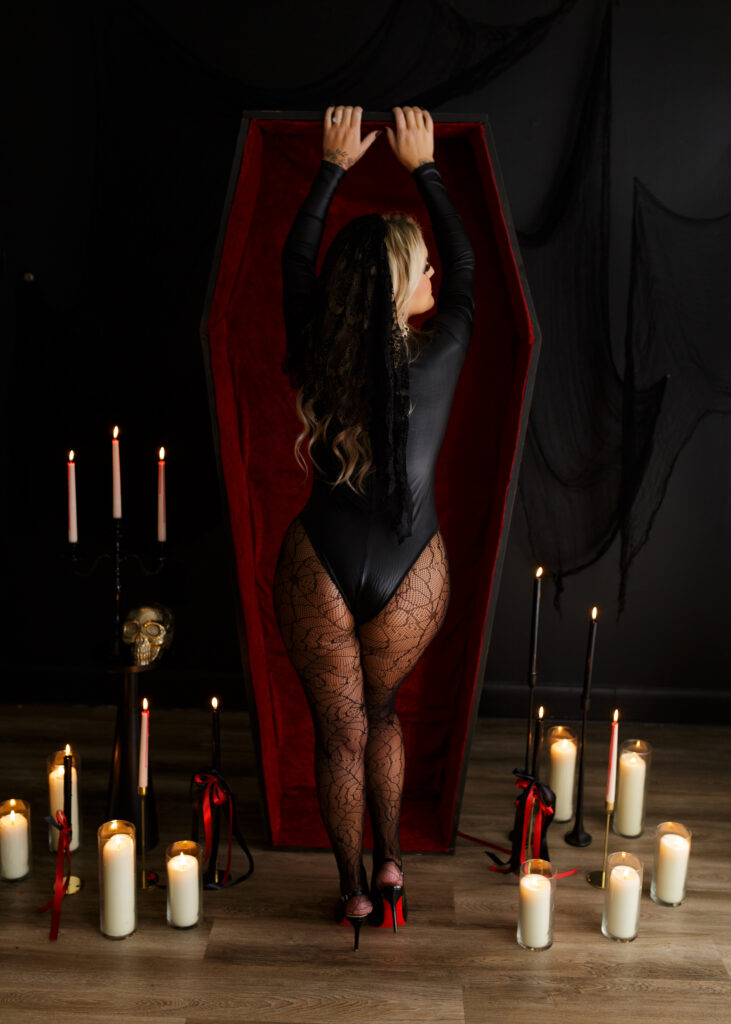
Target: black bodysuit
x=349 y=531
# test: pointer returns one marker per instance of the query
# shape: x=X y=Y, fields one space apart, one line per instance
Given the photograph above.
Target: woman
x=362 y=581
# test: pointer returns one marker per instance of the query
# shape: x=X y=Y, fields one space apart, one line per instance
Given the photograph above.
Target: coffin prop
x=255 y=426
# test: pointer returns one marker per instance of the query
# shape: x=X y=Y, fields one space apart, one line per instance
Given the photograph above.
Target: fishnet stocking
x=351 y=675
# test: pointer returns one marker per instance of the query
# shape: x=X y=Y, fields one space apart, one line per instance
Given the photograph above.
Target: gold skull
x=149 y=630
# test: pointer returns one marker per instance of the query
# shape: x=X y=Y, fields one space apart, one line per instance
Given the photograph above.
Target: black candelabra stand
x=123 y=800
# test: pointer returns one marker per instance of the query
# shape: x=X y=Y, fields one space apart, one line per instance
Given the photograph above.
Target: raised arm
x=455 y=301
x=342 y=147
x=412 y=141
x=299 y=256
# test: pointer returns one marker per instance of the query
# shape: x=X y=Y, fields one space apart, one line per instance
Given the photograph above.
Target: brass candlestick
x=598 y=878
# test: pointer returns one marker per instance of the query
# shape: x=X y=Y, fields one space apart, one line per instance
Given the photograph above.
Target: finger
x=369 y=140
x=428 y=120
x=347 y=116
x=399 y=119
x=410 y=117
x=357 y=115
x=327 y=120
x=391 y=138
x=338 y=115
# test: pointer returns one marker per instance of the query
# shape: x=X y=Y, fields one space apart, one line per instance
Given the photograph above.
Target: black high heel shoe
x=355 y=920
x=389 y=901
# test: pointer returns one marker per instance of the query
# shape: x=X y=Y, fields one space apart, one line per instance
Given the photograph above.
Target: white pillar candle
x=671 y=868
x=116 y=477
x=118 y=884
x=623 y=902
x=14 y=849
x=183 y=890
x=55 y=803
x=162 y=523
x=534 y=911
x=629 y=811
x=561 y=781
x=73 y=520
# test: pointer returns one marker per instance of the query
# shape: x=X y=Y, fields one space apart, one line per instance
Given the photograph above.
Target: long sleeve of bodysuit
x=299 y=256
x=455 y=301
x=455 y=307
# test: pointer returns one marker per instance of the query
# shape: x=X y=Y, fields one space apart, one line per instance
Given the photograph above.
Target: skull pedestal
x=148 y=632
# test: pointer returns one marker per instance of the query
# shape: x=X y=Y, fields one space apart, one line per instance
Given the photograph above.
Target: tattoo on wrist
x=339 y=157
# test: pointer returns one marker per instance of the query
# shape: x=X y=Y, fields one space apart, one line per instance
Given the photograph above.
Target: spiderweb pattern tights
x=351 y=674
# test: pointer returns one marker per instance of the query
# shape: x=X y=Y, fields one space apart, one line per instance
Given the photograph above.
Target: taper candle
x=142 y=772
x=537 y=739
x=116 y=477
x=534 y=625
x=73 y=520
x=589 y=668
x=216 y=734
x=162 y=523
x=612 y=771
x=56 y=796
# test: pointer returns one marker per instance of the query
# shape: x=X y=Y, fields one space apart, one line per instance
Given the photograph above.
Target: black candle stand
x=123 y=800
x=578 y=836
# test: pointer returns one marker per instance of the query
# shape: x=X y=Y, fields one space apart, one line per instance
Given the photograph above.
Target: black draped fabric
x=572 y=470
x=600 y=448
x=416 y=41
x=680 y=306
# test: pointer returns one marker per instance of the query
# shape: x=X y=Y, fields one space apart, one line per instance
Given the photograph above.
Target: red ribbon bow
x=60 y=885
x=216 y=793
x=534 y=795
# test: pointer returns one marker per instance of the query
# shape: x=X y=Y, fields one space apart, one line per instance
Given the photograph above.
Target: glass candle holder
x=184 y=863
x=622 y=892
x=537 y=898
x=672 y=852
x=562 y=747
x=55 y=772
x=633 y=767
x=117 y=882
x=14 y=840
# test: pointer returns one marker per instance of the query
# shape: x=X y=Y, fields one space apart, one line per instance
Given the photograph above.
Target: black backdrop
x=121 y=125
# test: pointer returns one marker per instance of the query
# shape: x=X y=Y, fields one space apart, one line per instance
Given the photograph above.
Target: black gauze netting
x=351 y=675
x=600 y=449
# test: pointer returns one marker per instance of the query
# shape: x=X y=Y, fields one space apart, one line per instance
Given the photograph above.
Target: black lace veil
x=353 y=362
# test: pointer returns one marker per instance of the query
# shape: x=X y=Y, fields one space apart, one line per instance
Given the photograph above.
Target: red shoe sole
x=401 y=914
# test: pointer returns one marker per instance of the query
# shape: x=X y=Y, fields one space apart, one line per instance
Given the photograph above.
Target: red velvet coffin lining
x=265 y=488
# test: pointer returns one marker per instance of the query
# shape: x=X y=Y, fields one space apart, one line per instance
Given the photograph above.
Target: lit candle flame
x=67 y=750
x=593 y=613
x=116 y=432
x=114 y=823
x=71 y=455
x=182 y=854
x=616 y=715
x=539 y=572
x=540 y=711
x=12 y=803
x=145 y=705
x=214 y=703
x=162 y=454
x=12 y=817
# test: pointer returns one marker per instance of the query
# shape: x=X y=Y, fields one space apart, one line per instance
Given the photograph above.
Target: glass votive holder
x=632 y=769
x=55 y=772
x=562 y=747
x=14 y=840
x=672 y=852
x=537 y=899
x=117 y=879
x=622 y=892
x=184 y=864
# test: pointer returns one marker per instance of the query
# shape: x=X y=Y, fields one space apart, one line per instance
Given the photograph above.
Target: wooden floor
x=269 y=952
